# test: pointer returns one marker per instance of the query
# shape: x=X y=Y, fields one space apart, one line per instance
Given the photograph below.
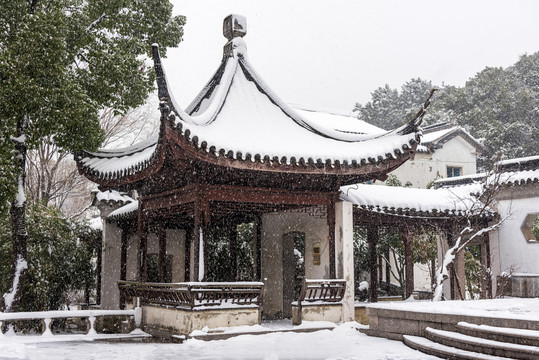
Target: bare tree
x=126 y=129
x=53 y=178
x=479 y=206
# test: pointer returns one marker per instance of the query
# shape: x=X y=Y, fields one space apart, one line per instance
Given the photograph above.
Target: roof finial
x=234 y=26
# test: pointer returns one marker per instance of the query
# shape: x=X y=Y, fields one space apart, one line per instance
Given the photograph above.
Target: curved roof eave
x=128 y=165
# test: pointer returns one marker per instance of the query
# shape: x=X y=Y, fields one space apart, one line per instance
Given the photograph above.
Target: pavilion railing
x=326 y=290
x=320 y=291
x=190 y=295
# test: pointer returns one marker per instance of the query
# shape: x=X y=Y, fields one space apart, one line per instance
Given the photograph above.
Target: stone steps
x=477 y=342
x=509 y=335
x=445 y=352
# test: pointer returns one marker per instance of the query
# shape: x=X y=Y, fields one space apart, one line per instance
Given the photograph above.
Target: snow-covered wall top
x=519 y=177
x=510 y=172
x=521 y=160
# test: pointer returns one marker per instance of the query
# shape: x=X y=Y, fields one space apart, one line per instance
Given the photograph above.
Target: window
x=453 y=171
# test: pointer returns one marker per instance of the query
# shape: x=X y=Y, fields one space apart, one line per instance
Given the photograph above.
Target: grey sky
x=334 y=53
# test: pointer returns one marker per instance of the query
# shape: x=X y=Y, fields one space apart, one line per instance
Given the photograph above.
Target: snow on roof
x=112 y=196
x=259 y=126
x=460 y=180
x=518 y=160
x=237 y=116
x=124 y=211
x=126 y=160
x=437 y=134
x=334 y=119
x=129 y=150
x=409 y=201
x=429 y=137
x=519 y=177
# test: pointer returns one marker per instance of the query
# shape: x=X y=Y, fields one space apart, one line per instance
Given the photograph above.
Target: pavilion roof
x=239 y=122
x=413 y=202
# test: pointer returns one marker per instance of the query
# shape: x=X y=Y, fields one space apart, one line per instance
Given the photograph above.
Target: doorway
x=293 y=269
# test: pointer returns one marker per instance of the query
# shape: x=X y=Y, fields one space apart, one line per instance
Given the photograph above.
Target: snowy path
x=344 y=342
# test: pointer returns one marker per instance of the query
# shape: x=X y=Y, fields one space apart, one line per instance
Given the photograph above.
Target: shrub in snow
x=535 y=228
x=59 y=258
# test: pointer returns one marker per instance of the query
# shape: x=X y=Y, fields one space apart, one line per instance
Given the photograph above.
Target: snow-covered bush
x=535 y=228
x=59 y=258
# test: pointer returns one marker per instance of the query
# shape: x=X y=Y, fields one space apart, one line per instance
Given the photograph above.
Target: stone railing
x=190 y=295
x=46 y=317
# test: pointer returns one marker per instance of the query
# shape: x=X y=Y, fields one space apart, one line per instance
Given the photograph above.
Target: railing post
x=91 y=331
x=47 y=327
x=138 y=315
x=191 y=296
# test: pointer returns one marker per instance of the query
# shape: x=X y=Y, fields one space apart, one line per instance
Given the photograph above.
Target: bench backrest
x=330 y=290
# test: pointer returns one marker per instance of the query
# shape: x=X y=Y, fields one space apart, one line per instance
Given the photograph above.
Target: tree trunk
x=19 y=236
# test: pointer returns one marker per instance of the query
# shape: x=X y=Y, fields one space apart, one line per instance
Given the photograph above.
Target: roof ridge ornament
x=234 y=29
x=234 y=26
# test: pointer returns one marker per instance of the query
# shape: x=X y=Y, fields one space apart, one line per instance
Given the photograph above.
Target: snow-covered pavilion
x=412 y=211
x=238 y=154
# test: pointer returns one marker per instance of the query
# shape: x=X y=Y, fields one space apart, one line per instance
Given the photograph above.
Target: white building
x=513 y=248
x=445 y=151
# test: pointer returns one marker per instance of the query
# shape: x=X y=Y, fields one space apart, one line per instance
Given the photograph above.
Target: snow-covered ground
x=344 y=342
x=510 y=308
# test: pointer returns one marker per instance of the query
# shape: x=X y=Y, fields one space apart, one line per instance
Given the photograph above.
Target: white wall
x=175 y=247
x=274 y=226
x=426 y=167
x=344 y=244
x=110 y=273
x=422 y=280
x=514 y=249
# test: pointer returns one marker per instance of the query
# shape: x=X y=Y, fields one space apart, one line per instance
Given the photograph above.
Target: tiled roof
x=413 y=202
x=434 y=136
x=238 y=118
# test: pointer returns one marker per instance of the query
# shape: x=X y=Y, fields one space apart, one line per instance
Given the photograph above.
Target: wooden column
x=331 y=237
x=387 y=270
x=258 y=226
x=123 y=262
x=232 y=231
x=123 y=254
x=408 y=237
x=380 y=269
x=162 y=236
x=187 y=257
x=142 y=253
x=372 y=239
x=195 y=247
